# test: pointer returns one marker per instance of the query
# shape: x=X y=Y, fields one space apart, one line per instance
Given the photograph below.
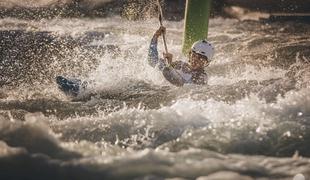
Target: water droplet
x=287 y=133
x=299 y=177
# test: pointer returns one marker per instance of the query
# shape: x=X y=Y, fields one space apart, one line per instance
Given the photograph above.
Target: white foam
x=248 y=72
x=186 y=113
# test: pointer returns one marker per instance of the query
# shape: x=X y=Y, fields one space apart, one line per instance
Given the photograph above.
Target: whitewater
x=250 y=122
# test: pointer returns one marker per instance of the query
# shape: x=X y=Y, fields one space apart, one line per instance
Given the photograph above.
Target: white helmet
x=204 y=48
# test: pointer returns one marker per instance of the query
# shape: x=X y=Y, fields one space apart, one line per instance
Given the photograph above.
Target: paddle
x=160 y=17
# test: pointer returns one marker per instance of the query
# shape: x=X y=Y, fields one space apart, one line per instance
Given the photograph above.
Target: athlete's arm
x=173 y=76
x=153 y=52
x=168 y=57
x=169 y=72
x=153 y=58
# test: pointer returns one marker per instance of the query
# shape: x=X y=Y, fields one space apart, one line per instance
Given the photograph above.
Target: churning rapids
x=251 y=122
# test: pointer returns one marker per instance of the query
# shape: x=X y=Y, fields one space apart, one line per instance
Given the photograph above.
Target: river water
x=250 y=122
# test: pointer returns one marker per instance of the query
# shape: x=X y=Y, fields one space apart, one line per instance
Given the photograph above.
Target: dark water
x=131 y=124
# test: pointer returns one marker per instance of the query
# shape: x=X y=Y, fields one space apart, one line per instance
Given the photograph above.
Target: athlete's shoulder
x=179 y=64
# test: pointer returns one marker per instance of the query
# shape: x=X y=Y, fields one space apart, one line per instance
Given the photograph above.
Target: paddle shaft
x=178 y=81
x=160 y=17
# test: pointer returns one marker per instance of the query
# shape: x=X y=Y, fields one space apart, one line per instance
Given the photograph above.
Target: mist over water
x=132 y=124
x=47 y=3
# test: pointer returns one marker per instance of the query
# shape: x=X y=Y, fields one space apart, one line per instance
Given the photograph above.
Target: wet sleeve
x=173 y=76
x=153 y=58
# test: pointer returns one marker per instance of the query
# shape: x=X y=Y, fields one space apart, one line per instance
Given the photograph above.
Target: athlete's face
x=197 y=61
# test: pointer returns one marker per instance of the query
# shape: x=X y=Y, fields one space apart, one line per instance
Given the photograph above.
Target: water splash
x=257 y=103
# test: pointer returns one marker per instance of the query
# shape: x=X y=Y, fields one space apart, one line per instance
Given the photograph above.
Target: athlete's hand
x=168 y=57
x=160 y=31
